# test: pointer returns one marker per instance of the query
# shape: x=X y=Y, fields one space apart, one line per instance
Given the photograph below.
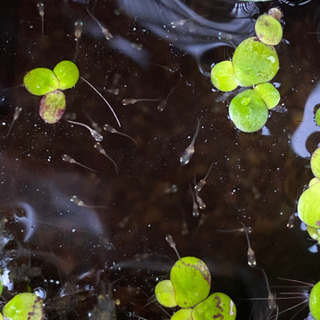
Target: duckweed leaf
x=52 y=106
x=269 y=94
x=217 y=306
x=315 y=163
x=317 y=117
x=24 y=306
x=314 y=301
x=268 y=29
x=248 y=111
x=182 y=314
x=165 y=294
x=254 y=62
x=309 y=204
x=222 y=76
x=314 y=233
x=40 y=81
x=67 y=73
x=191 y=281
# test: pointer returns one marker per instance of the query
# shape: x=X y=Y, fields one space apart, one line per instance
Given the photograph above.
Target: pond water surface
x=102 y=259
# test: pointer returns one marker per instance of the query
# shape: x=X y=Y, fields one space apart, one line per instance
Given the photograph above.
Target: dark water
x=93 y=262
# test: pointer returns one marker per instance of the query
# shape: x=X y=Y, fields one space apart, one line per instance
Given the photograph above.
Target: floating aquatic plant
x=67 y=73
x=268 y=30
x=40 y=81
x=248 y=111
x=309 y=204
x=254 y=63
x=189 y=287
x=52 y=106
x=24 y=306
x=317 y=117
x=309 y=201
x=45 y=82
x=314 y=301
x=269 y=94
x=223 y=77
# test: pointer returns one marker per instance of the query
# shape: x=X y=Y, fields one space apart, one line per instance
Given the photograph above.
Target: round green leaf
x=248 y=111
x=52 y=106
x=309 y=204
x=268 y=29
x=269 y=94
x=317 y=117
x=222 y=76
x=314 y=301
x=182 y=314
x=315 y=163
x=40 y=81
x=217 y=306
x=67 y=73
x=24 y=306
x=165 y=294
x=254 y=62
x=314 y=233
x=191 y=281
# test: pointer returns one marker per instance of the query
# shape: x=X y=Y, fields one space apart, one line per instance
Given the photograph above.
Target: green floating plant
x=191 y=281
x=223 y=77
x=314 y=233
x=45 y=82
x=309 y=204
x=254 y=62
x=314 y=301
x=217 y=306
x=24 y=306
x=268 y=29
x=309 y=201
x=189 y=287
x=52 y=106
x=67 y=73
x=269 y=94
x=248 y=111
x=40 y=81
x=164 y=292
x=317 y=117
x=315 y=163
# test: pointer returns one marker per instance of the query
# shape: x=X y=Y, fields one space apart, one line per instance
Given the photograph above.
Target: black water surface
x=103 y=260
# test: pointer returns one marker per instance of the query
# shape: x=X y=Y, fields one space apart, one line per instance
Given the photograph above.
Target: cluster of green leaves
x=49 y=84
x=188 y=288
x=254 y=63
x=23 y=306
x=309 y=201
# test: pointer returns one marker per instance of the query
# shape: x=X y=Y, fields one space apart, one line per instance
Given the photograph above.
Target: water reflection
x=197 y=35
x=308 y=125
